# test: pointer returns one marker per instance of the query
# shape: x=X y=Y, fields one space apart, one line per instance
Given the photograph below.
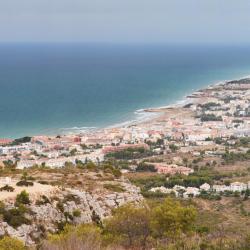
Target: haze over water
x=47 y=87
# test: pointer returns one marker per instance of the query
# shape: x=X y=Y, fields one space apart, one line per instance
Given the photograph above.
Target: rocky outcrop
x=68 y=205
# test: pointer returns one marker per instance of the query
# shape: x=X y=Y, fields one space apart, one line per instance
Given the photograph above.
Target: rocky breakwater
x=49 y=212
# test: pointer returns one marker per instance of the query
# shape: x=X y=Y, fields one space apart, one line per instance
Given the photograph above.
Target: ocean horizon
x=63 y=88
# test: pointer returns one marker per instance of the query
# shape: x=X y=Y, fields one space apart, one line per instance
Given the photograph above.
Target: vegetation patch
x=114 y=187
x=24 y=183
x=7 y=188
x=130 y=153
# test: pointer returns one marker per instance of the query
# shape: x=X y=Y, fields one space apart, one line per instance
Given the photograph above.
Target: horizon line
x=109 y=43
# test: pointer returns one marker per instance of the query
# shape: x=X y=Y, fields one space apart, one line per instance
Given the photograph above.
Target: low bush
x=144 y=167
x=22 y=198
x=24 y=183
x=77 y=213
x=15 y=217
x=108 y=168
x=7 y=188
x=43 y=182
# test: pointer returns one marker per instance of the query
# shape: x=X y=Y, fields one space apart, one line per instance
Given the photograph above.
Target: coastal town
x=211 y=116
x=196 y=152
x=213 y=123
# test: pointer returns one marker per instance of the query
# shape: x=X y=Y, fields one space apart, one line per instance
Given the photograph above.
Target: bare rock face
x=71 y=206
x=46 y=213
x=23 y=232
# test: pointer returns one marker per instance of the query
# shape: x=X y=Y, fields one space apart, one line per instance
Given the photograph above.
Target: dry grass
x=225 y=214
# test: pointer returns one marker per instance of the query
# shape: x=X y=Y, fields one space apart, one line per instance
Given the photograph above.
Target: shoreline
x=185 y=100
x=144 y=115
x=155 y=112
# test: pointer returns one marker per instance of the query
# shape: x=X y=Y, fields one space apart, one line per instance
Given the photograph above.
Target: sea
x=71 y=88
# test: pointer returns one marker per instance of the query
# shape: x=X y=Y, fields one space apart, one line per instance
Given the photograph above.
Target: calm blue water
x=44 y=88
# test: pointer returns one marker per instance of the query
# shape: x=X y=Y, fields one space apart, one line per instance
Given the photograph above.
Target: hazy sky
x=122 y=21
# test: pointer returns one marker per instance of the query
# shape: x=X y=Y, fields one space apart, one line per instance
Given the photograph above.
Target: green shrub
x=116 y=172
x=43 y=182
x=22 y=198
x=24 y=183
x=170 y=218
x=108 y=168
x=7 y=188
x=15 y=217
x=77 y=213
x=21 y=140
x=173 y=147
x=144 y=167
x=91 y=166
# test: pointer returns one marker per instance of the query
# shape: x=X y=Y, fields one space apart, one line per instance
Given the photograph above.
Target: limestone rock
x=46 y=217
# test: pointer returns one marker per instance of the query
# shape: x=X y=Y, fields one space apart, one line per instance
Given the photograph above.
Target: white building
x=234 y=187
x=96 y=156
x=221 y=188
x=205 y=187
x=191 y=192
x=238 y=187
x=161 y=190
x=14 y=149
